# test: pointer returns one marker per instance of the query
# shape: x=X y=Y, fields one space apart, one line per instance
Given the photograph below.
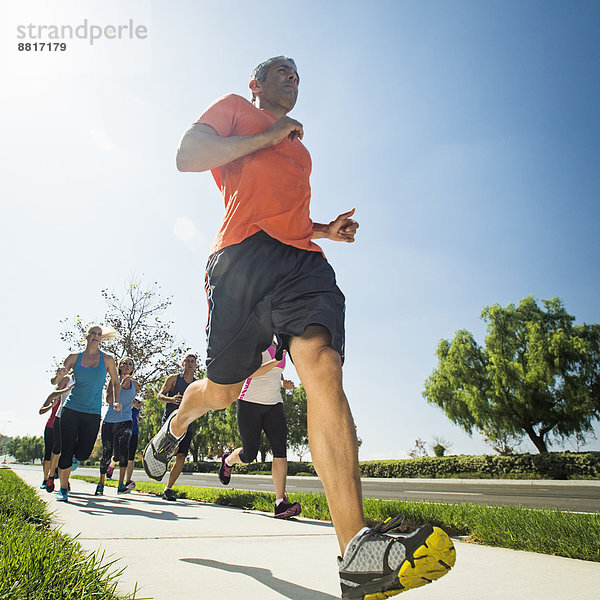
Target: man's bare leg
x=176 y=470
x=279 y=474
x=331 y=431
x=200 y=397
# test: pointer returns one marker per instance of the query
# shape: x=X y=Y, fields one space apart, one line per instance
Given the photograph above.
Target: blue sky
x=464 y=133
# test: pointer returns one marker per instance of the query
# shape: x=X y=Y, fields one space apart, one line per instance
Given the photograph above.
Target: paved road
x=569 y=495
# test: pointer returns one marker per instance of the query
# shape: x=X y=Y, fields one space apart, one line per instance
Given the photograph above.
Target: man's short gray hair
x=260 y=72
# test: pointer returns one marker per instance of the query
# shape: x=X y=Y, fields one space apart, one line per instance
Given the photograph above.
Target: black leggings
x=115 y=441
x=133 y=444
x=255 y=418
x=56 y=448
x=78 y=431
x=48 y=442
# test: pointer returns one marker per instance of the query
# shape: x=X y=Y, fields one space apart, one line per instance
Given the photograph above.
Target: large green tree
x=538 y=374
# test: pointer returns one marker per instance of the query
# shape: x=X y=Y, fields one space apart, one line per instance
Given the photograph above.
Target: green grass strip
x=20 y=500
x=41 y=563
x=545 y=531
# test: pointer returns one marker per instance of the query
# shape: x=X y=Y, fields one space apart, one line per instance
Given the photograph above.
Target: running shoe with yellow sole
x=377 y=565
x=160 y=450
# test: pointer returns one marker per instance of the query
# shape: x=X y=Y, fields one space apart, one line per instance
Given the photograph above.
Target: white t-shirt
x=265 y=389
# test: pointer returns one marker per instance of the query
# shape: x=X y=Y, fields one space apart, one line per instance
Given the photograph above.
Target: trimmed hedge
x=553 y=465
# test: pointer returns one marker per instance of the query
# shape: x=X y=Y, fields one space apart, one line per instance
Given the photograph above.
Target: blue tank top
x=125 y=400
x=86 y=393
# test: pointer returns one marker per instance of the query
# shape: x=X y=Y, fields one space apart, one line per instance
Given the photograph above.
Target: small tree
x=440 y=446
x=419 y=450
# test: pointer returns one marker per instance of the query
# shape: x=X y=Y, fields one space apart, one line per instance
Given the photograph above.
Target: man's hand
x=284 y=128
x=288 y=384
x=176 y=399
x=341 y=229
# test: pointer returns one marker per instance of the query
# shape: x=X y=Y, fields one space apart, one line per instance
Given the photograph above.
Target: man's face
x=280 y=86
x=190 y=363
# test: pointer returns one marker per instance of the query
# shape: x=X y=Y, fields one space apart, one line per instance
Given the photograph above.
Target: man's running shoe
x=109 y=471
x=287 y=509
x=63 y=495
x=99 y=490
x=169 y=495
x=74 y=465
x=377 y=566
x=160 y=450
x=50 y=485
x=123 y=489
x=225 y=470
x=44 y=483
x=130 y=485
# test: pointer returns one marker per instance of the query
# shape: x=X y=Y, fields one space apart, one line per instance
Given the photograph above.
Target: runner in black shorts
x=260 y=408
x=266 y=276
x=171 y=394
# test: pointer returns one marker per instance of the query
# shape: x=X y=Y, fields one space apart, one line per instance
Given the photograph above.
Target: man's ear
x=254 y=86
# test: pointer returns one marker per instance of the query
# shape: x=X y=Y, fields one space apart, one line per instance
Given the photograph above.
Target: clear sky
x=465 y=133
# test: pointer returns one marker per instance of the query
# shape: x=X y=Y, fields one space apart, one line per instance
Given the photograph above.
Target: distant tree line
x=26 y=449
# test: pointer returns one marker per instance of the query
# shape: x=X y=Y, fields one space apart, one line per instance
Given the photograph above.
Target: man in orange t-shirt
x=266 y=276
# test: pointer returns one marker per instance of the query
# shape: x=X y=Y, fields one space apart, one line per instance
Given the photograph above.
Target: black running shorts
x=262 y=287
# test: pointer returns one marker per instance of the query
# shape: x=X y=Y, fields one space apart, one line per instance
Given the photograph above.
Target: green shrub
x=555 y=465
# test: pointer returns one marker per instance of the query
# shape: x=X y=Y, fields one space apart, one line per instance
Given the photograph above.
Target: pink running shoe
x=225 y=470
x=287 y=509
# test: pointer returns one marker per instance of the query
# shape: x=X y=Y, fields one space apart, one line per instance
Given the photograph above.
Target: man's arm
x=341 y=229
x=202 y=149
x=167 y=388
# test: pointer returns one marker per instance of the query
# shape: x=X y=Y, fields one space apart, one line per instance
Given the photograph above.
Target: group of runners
x=270 y=291
x=260 y=408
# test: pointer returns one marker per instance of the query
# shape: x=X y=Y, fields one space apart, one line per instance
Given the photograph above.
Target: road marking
x=443 y=493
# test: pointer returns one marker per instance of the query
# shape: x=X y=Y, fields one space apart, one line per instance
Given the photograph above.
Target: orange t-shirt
x=268 y=189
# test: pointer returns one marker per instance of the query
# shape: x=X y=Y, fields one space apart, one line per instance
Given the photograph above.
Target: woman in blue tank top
x=117 y=425
x=80 y=419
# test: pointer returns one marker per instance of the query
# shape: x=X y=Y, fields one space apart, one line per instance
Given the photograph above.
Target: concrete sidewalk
x=186 y=550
